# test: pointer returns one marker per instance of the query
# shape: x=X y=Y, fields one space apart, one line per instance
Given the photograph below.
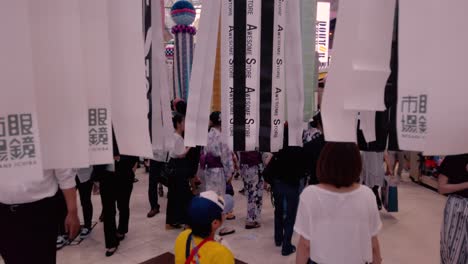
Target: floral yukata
x=217 y=163
x=251 y=165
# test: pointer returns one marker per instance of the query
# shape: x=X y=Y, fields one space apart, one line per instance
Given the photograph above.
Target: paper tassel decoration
x=183 y=13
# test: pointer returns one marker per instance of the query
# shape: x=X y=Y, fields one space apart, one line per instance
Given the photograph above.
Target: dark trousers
x=179 y=194
x=61 y=212
x=154 y=172
x=85 y=189
x=28 y=232
x=285 y=195
x=116 y=189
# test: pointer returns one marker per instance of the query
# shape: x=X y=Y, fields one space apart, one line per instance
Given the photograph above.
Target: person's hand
x=72 y=225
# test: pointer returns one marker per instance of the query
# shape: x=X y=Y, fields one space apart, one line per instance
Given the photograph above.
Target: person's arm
x=66 y=180
x=303 y=251
x=376 y=256
x=446 y=188
x=183 y=155
x=72 y=222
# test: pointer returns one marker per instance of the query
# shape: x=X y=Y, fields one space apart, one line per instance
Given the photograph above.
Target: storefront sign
x=322 y=32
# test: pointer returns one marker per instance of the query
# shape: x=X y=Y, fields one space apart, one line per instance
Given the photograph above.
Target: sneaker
x=61 y=242
x=85 y=232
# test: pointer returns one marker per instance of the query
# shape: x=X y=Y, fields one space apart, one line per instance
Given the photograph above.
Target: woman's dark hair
x=177 y=119
x=339 y=164
x=181 y=108
x=215 y=118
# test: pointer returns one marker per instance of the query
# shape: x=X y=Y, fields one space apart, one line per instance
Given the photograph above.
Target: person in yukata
x=217 y=163
x=251 y=165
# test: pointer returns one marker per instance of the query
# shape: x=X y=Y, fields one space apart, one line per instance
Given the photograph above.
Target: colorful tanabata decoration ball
x=183 y=12
x=170 y=51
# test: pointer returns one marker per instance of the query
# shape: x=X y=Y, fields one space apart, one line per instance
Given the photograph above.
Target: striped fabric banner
x=227 y=71
x=240 y=27
x=252 y=74
x=266 y=74
x=278 y=117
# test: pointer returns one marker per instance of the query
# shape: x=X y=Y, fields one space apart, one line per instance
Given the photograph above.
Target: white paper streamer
x=417 y=71
x=371 y=56
x=227 y=71
x=61 y=98
x=96 y=61
x=294 y=73
x=278 y=79
x=129 y=103
x=20 y=151
x=447 y=106
x=162 y=121
x=367 y=125
x=252 y=74
x=201 y=83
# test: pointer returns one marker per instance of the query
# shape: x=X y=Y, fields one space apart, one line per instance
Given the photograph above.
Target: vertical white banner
x=371 y=56
x=252 y=74
x=128 y=90
x=340 y=124
x=294 y=73
x=60 y=93
x=96 y=61
x=417 y=73
x=278 y=79
x=20 y=153
x=227 y=70
x=322 y=32
x=162 y=121
x=201 y=82
x=447 y=112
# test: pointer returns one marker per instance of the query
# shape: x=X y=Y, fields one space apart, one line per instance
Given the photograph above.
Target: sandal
x=226 y=231
x=252 y=225
x=230 y=217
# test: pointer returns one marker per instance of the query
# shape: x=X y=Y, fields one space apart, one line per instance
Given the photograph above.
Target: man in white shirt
x=29 y=216
x=156 y=166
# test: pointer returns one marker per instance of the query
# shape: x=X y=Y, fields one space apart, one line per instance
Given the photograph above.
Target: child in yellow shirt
x=197 y=245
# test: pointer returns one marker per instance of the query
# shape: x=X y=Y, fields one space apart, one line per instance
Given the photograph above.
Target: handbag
x=390 y=194
x=167 y=171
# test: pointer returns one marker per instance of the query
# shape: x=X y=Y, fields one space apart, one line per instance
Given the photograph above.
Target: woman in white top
x=338 y=220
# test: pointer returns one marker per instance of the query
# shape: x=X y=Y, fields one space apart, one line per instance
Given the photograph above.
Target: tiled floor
x=409 y=236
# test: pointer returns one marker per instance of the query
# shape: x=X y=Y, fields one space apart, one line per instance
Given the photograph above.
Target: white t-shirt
x=179 y=147
x=339 y=226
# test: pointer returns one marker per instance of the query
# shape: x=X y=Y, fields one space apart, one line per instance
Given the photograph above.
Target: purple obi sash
x=250 y=158
x=210 y=161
